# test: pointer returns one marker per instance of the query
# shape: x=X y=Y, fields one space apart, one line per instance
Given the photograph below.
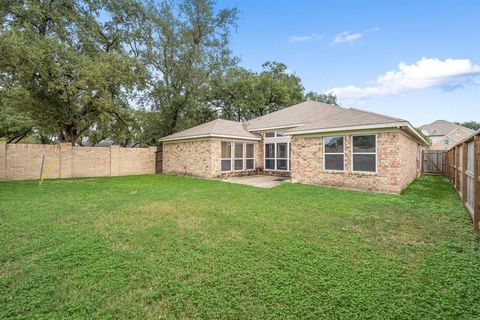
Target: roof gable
x=215 y=128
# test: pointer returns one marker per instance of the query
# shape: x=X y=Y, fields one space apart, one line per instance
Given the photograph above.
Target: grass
x=172 y=247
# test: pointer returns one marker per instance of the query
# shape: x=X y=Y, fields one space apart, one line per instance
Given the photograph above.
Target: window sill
x=334 y=171
x=364 y=173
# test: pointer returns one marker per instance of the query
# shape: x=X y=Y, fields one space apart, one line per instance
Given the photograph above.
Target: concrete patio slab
x=259 y=181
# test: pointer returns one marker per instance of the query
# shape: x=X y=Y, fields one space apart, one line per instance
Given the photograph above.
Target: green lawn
x=173 y=247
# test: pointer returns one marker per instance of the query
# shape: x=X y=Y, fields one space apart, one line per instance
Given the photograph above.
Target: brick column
x=114 y=161
x=3 y=160
x=153 y=156
x=66 y=163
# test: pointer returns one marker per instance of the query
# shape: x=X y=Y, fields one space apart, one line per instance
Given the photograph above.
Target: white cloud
x=448 y=74
x=305 y=38
x=347 y=37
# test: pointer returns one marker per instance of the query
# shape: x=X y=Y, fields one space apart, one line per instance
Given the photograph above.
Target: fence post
x=3 y=160
x=476 y=183
x=464 y=172
x=455 y=164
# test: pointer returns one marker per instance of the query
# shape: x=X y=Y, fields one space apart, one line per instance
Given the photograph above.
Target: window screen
x=364 y=153
x=334 y=153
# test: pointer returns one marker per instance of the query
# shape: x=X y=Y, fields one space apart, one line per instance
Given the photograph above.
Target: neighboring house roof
x=453 y=138
x=217 y=128
x=442 y=128
x=299 y=114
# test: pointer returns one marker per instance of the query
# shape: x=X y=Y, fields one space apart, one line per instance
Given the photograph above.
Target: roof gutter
x=166 y=139
x=365 y=127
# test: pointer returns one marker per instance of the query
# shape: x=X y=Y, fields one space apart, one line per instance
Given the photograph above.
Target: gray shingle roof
x=442 y=128
x=348 y=118
x=305 y=117
x=215 y=128
x=302 y=113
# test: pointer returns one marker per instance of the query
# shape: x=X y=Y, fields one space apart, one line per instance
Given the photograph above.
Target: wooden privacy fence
x=463 y=170
x=434 y=162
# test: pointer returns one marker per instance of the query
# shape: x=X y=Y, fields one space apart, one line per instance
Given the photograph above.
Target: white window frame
x=288 y=159
x=334 y=153
x=254 y=164
x=231 y=153
x=234 y=158
x=369 y=153
x=274 y=156
x=275 y=140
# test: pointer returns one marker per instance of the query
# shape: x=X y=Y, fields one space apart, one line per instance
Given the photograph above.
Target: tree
x=232 y=94
x=68 y=71
x=276 y=89
x=241 y=94
x=474 y=125
x=185 y=46
x=328 y=98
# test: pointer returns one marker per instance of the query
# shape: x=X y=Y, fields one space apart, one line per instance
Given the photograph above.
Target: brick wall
x=23 y=161
x=410 y=152
x=201 y=158
x=195 y=157
x=396 y=163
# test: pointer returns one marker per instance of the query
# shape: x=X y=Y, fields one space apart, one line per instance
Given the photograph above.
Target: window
x=282 y=158
x=270 y=156
x=277 y=151
x=445 y=142
x=333 y=153
x=238 y=164
x=364 y=155
x=250 y=156
x=226 y=160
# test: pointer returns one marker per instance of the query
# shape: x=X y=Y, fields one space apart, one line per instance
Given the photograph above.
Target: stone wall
x=396 y=163
x=23 y=161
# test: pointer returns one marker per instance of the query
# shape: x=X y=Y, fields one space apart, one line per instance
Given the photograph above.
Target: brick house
x=312 y=142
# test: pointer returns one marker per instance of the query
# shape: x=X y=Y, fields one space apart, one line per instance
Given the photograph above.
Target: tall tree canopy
x=241 y=94
x=62 y=67
x=185 y=45
x=131 y=71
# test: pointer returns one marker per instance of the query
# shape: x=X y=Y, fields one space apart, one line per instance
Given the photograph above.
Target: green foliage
x=241 y=94
x=426 y=138
x=329 y=98
x=130 y=71
x=67 y=70
x=185 y=44
x=171 y=247
x=474 y=125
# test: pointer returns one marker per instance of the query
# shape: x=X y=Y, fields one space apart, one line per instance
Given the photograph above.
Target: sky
x=418 y=60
